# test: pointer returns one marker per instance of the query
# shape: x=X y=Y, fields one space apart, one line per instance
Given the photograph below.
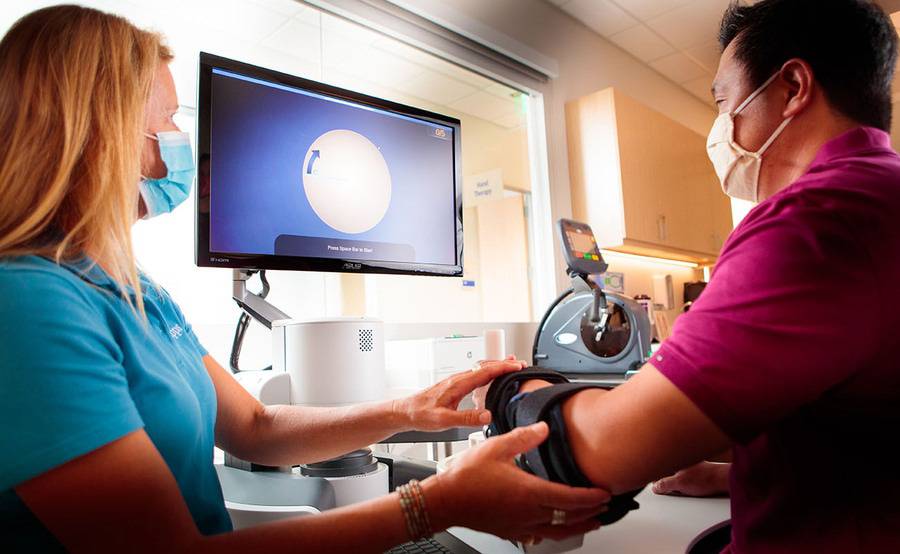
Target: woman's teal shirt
x=80 y=369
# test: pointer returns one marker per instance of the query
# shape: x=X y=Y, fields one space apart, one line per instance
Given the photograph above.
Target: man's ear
x=798 y=78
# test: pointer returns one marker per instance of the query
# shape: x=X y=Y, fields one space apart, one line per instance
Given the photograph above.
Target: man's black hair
x=851 y=46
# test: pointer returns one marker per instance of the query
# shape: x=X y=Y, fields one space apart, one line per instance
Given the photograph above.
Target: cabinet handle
x=661 y=227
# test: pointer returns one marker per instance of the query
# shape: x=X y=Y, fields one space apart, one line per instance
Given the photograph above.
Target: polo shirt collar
x=851 y=143
x=87 y=269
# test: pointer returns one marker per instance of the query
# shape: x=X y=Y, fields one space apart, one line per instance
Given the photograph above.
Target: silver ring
x=558 y=518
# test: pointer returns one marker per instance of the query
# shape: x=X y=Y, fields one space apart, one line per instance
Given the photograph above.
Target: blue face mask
x=164 y=195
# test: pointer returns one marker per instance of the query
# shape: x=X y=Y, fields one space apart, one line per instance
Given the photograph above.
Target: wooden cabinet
x=642 y=181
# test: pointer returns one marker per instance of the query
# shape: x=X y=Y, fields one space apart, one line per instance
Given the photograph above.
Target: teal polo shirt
x=80 y=369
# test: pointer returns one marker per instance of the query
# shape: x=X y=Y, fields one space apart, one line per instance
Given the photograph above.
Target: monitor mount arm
x=599 y=314
x=251 y=303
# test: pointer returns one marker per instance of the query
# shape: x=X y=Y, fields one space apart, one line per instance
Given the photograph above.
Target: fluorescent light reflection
x=611 y=255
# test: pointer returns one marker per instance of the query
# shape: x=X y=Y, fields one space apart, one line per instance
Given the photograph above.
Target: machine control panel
x=580 y=248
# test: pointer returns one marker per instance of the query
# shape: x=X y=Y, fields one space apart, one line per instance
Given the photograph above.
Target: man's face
x=759 y=119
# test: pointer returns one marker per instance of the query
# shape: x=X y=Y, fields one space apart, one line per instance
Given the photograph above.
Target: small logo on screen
x=354 y=267
x=219 y=260
x=440 y=133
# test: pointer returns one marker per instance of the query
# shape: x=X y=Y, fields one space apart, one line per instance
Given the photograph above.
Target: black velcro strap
x=506 y=386
x=553 y=460
x=536 y=407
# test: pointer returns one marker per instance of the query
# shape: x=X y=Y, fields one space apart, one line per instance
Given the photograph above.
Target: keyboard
x=424 y=546
x=440 y=543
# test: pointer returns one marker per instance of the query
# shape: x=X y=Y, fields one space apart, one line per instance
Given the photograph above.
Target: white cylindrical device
x=331 y=361
x=359 y=488
x=494 y=344
x=355 y=476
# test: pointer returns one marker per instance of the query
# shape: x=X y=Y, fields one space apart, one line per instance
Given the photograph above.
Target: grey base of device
x=254 y=495
x=257 y=497
x=567 y=341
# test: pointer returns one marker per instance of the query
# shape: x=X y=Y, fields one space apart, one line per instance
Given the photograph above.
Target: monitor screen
x=295 y=174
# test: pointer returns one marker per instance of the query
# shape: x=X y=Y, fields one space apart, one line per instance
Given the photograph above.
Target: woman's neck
x=99 y=259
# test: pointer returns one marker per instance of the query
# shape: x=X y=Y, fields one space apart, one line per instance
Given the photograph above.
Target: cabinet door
x=666 y=181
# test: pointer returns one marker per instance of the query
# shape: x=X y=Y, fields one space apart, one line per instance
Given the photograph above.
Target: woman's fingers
x=564 y=497
x=447 y=418
x=517 y=441
x=484 y=374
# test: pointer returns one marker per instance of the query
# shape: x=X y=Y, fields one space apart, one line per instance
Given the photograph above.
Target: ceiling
x=675 y=37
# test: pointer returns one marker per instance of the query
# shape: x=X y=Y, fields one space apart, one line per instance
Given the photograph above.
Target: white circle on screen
x=347 y=181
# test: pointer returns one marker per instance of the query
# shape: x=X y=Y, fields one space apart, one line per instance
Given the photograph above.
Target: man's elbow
x=601 y=465
x=605 y=453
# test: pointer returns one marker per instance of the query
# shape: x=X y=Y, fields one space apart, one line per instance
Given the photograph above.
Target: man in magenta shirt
x=790 y=356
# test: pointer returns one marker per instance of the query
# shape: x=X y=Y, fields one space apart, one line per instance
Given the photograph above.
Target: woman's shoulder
x=35 y=281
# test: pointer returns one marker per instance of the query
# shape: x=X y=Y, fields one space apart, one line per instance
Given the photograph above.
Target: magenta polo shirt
x=792 y=351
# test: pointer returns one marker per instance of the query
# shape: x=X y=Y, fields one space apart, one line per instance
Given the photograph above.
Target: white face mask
x=738 y=169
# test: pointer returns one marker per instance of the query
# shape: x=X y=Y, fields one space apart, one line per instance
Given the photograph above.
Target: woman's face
x=161 y=107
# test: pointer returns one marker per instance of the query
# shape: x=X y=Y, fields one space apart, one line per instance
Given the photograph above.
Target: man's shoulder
x=857 y=195
x=862 y=181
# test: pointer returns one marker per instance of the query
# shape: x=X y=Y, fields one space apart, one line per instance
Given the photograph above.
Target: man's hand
x=435 y=408
x=703 y=479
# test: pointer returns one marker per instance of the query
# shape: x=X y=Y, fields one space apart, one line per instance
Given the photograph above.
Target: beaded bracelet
x=412 y=503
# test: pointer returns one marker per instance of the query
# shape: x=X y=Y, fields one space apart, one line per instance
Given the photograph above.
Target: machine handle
x=599 y=299
x=599 y=312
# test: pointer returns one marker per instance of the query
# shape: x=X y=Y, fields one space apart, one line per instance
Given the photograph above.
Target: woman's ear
x=798 y=77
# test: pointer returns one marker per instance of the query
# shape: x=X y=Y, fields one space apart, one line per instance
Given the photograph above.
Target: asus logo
x=220 y=260
x=351 y=266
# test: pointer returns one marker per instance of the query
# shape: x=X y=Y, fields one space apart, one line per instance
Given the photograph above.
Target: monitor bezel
x=204 y=258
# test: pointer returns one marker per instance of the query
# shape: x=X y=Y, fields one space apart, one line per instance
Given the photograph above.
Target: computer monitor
x=299 y=175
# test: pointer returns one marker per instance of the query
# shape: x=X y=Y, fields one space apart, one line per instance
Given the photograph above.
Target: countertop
x=663 y=525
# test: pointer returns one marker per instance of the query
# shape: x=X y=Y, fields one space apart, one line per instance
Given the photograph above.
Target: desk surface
x=663 y=525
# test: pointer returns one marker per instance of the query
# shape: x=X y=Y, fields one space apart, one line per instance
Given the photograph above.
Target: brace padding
x=506 y=386
x=536 y=407
x=553 y=460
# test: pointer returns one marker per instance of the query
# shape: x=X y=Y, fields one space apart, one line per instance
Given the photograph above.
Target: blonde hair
x=74 y=84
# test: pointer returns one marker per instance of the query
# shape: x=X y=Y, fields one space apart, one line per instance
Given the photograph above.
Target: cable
x=537 y=335
x=242 y=325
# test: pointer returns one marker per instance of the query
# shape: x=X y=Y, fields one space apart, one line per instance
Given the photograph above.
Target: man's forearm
x=290 y=435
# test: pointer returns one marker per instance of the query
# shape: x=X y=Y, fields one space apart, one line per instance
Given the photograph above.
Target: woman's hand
x=484 y=490
x=435 y=408
x=480 y=395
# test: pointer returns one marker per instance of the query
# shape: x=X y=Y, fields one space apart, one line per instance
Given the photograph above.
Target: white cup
x=495 y=344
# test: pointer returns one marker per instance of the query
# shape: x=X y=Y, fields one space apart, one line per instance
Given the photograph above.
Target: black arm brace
x=552 y=460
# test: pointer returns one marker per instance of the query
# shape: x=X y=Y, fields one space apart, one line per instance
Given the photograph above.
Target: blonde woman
x=109 y=406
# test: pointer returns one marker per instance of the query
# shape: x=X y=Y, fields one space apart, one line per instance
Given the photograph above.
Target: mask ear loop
x=774 y=136
x=151 y=137
x=755 y=93
x=778 y=130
